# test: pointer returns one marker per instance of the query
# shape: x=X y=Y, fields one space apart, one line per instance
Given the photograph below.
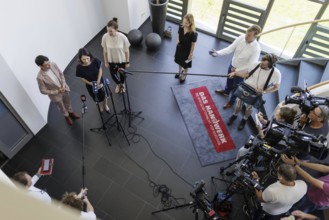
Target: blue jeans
x=231 y=84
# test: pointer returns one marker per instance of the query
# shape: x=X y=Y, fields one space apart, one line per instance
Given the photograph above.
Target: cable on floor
x=167 y=199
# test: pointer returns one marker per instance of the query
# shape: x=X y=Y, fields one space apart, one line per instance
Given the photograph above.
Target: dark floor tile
x=146 y=214
x=112 y=171
x=142 y=189
x=120 y=203
x=55 y=188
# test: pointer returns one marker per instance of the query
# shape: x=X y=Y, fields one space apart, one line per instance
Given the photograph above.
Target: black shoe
x=242 y=124
x=221 y=92
x=177 y=75
x=182 y=78
x=231 y=119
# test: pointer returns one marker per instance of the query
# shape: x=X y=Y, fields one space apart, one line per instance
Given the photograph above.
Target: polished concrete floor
x=124 y=180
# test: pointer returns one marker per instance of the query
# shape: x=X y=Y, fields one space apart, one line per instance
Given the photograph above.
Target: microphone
x=83 y=98
x=95 y=89
x=84 y=107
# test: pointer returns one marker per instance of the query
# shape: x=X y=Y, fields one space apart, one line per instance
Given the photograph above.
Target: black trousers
x=116 y=76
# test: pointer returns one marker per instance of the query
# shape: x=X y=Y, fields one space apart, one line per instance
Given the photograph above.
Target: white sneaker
x=107 y=109
x=123 y=88
x=117 y=88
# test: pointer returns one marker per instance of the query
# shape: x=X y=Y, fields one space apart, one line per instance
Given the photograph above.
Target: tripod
x=196 y=204
x=128 y=111
x=117 y=122
x=103 y=127
x=237 y=187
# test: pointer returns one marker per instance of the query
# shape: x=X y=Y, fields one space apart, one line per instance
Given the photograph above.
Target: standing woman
x=116 y=53
x=186 y=39
x=89 y=69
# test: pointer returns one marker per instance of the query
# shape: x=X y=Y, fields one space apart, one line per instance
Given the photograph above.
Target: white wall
x=16 y=95
x=131 y=14
x=139 y=11
x=55 y=28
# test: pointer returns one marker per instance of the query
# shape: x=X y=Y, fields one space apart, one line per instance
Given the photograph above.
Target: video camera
x=202 y=202
x=306 y=101
x=244 y=177
x=294 y=141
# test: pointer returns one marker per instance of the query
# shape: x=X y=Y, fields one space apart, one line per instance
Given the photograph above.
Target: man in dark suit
x=51 y=82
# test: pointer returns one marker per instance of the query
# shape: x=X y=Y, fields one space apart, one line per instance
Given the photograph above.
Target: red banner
x=216 y=128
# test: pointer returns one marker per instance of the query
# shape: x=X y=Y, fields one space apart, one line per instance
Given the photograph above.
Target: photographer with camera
x=317 y=197
x=78 y=202
x=283 y=114
x=262 y=77
x=277 y=199
x=316 y=121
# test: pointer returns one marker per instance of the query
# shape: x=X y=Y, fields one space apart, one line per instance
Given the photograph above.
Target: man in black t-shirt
x=316 y=124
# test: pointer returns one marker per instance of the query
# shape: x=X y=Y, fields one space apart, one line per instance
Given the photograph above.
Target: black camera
x=246 y=178
x=201 y=200
x=316 y=146
x=293 y=141
x=306 y=101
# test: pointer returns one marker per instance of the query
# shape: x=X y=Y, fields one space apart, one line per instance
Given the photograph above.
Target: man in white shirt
x=257 y=81
x=278 y=198
x=246 y=51
x=28 y=182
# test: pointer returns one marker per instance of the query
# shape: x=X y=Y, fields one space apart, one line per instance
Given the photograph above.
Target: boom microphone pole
x=83 y=112
x=171 y=73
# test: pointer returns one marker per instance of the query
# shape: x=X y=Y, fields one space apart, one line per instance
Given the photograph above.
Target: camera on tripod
x=306 y=101
x=244 y=178
x=200 y=198
x=294 y=141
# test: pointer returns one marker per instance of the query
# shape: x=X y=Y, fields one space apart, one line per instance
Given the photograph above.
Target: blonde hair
x=255 y=28
x=190 y=19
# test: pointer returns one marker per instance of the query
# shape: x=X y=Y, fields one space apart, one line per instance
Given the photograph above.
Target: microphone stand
x=83 y=112
x=128 y=111
x=117 y=122
x=103 y=127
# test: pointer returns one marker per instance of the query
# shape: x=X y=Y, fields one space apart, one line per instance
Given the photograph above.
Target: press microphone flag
x=95 y=89
x=84 y=106
x=83 y=98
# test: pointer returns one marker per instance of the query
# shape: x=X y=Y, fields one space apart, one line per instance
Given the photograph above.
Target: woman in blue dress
x=90 y=70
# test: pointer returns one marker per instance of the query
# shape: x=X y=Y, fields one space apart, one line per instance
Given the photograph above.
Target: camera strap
x=268 y=78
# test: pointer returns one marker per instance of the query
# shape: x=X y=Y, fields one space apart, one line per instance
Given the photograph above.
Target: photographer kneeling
x=317 y=197
x=277 y=199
